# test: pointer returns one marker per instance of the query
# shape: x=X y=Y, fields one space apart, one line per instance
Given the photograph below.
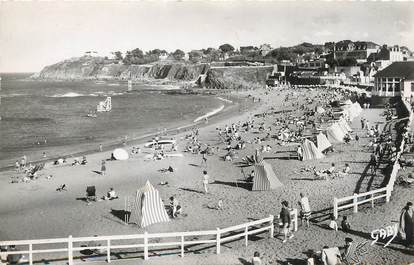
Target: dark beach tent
x=120 y=154
x=264 y=177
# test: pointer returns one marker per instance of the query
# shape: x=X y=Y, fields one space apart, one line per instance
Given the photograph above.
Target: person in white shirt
x=256 y=259
x=305 y=208
x=205 y=181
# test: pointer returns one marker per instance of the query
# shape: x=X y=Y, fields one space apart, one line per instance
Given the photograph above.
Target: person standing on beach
x=103 y=168
x=305 y=209
x=406 y=227
x=205 y=181
x=100 y=147
x=204 y=158
x=285 y=218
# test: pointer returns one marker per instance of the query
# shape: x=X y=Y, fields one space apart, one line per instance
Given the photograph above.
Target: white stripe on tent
x=322 y=142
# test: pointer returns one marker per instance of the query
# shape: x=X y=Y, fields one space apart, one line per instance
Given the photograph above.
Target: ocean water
x=50 y=116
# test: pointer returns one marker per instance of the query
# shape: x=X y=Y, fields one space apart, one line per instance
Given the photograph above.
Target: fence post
x=246 y=236
x=145 y=245
x=355 y=202
x=335 y=207
x=272 y=226
x=182 y=246
x=70 y=250
x=108 y=251
x=295 y=212
x=30 y=254
x=388 y=194
x=218 y=241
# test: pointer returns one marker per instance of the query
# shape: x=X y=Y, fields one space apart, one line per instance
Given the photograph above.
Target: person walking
x=204 y=158
x=285 y=218
x=205 y=181
x=103 y=168
x=406 y=227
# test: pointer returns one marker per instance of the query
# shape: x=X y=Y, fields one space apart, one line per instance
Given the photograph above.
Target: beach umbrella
x=120 y=154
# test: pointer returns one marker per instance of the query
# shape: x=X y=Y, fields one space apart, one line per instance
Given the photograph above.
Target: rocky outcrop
x=240 y=77
x=88 y=67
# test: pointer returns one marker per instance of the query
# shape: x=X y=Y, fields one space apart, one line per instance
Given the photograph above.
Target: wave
x=208 y=114
x=225 y=100
x=12 y=95
x=68 y=95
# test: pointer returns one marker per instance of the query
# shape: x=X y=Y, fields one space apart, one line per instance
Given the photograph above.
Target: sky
x=36 y=34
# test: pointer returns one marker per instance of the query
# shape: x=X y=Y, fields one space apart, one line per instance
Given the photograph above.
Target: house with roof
x=358 y=50
x=395 y=80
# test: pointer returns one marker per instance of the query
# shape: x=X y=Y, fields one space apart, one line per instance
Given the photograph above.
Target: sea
x=42 y=118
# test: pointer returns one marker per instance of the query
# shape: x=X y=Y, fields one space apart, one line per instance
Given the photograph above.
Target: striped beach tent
x=149 y=208
x=323 y=142
x=264 y=177
x=310 y=151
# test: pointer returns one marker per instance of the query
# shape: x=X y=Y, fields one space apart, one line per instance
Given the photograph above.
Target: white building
x=395 y=80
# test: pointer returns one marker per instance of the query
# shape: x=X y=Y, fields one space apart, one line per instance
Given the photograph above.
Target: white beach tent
x=264 y=177
x=344 y=125
x=335 y=134
x=310 y=151
x=120 y=154
x=148 y=207
x=323 y=142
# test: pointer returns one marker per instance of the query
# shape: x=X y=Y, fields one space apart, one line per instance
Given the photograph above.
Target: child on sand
x=332 y=224
x=346 y=227
x=256 y=259
x=205 y=181
x=103 y=168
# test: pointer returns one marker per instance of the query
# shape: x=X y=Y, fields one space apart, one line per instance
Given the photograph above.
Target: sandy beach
x=36 y=210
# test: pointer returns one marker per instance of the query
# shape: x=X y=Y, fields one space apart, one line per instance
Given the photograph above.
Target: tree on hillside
x=178 y=54
x=226 y=48
x=118 y=55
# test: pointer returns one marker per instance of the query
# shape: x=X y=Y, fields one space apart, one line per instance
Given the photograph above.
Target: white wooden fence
x=361 y=198
x=181 y=239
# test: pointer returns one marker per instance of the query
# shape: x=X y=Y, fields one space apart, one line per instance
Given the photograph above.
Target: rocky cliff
x=88 y=67
x=238 y=77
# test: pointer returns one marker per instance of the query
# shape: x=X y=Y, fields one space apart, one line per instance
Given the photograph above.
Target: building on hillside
x=248 y=50
x=316 y=64
x=358 y=50
x=395 y=80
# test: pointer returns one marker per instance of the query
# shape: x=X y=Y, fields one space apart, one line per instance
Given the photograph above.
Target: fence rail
x=374 y=195
x=218 y=237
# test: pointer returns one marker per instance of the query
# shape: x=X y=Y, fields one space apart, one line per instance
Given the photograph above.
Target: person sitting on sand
x=346 y=227
x=84 y=161
x=256 y=259
x=332 y=223
x=346 y=170
x=111 y=195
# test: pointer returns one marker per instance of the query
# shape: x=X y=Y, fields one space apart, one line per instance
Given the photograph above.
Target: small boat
x=104 y=106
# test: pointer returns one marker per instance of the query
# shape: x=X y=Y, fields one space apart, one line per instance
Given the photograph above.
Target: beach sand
x=36 y=210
